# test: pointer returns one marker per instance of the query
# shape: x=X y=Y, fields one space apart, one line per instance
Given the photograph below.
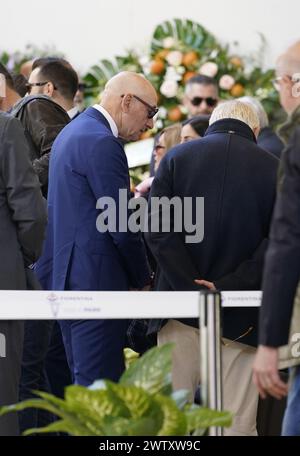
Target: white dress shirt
x=109 y=119
x=72 y=112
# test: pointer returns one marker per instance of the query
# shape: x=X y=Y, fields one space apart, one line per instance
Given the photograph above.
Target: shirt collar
x=72 y=112
x=109 y=119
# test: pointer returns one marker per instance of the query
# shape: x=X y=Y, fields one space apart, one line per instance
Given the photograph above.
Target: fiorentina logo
x=54 y=303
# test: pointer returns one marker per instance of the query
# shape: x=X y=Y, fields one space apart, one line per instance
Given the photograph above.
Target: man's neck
x=65 y=104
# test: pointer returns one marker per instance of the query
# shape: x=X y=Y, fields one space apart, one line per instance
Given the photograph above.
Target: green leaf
x=139 y=402
x=94 y=405
x=63 y=426
x=109 y=68
x=203 y=418
x=152 y=371
x=181 y=398
x=174 y=421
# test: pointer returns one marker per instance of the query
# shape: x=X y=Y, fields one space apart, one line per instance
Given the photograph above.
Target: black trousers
x=11 y=349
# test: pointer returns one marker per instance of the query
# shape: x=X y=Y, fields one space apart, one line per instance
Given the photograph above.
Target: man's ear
x=48 y=89
x=126 y=101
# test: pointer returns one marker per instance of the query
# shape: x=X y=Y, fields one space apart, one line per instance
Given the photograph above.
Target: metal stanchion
x=210 y=346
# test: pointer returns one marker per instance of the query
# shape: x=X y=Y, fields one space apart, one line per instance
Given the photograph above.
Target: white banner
x=38 y=305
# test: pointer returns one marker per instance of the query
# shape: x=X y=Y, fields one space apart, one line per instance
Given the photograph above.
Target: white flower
x=181 y=69
x=168 y=42
x=169 y=88
x=162 y=113
x=144 y=60
x=172 y=74
x=174 y=58
x=214 y=54
x=209 y=69
x=226 y=82
x=159 y=124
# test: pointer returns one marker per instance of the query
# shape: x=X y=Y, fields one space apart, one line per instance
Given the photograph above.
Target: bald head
x=129 y=82
x=289 y=62
x=288 y=73
x=130 y=98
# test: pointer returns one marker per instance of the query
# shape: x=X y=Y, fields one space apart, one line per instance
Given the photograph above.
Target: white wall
x=86 y=31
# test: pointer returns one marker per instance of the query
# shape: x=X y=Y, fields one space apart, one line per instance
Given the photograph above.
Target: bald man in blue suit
x=88 y=162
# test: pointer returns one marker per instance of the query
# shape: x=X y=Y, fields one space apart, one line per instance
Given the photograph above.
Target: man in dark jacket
x=237 y=180
x=42 y=119
x=23 y=221
x=282 y=271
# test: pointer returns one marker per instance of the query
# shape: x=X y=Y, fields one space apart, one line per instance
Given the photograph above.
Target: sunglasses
x=152 y=110
x=196 y=101
x=29 y=85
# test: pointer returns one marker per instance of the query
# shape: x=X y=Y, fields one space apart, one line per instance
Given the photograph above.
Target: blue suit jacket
x=88 y=162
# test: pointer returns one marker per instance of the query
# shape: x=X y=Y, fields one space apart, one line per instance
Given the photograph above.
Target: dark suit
x=23 y=221
x=238 y=181
x=282 y=271
x=269 y=141
x=88 y=162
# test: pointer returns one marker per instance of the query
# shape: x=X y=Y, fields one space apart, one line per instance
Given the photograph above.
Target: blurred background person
x=168 y=138
x=26 y=68
x=267 y=138
x=20 y=84
x=201 y=95
x=79 y=97
x=194 y=128
x=8 y=95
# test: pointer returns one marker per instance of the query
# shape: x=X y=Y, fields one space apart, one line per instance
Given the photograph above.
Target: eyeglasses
x=152 y=110
x=29 y=85
x=196 y=101
x=276 y=81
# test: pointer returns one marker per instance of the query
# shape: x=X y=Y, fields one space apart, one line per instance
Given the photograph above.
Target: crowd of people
x=57 y=162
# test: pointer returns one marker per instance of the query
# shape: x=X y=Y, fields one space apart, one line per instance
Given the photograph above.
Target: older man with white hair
x=267 y=138
x=238 y=181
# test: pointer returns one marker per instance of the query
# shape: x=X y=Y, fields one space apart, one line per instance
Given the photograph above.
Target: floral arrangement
x=14 y=61
x=179 y=50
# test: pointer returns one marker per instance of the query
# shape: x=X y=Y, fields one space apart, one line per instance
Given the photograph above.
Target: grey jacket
x=22 y=208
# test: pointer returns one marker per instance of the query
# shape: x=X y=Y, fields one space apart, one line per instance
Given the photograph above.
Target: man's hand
x=265 y=373
x=205 y=283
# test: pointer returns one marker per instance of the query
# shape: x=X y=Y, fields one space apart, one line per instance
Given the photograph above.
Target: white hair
x=235 y=109
x=260 y=111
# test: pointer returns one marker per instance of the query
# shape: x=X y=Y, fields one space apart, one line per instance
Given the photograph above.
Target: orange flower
x=190 y=58
x=237 y=90
x=236 y=61
x=157 y=66
x=188 y=75
x=161 y=55
x=174 y=114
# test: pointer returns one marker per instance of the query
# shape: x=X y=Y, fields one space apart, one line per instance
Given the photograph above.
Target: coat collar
x=232 y=126
x=92 y=112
